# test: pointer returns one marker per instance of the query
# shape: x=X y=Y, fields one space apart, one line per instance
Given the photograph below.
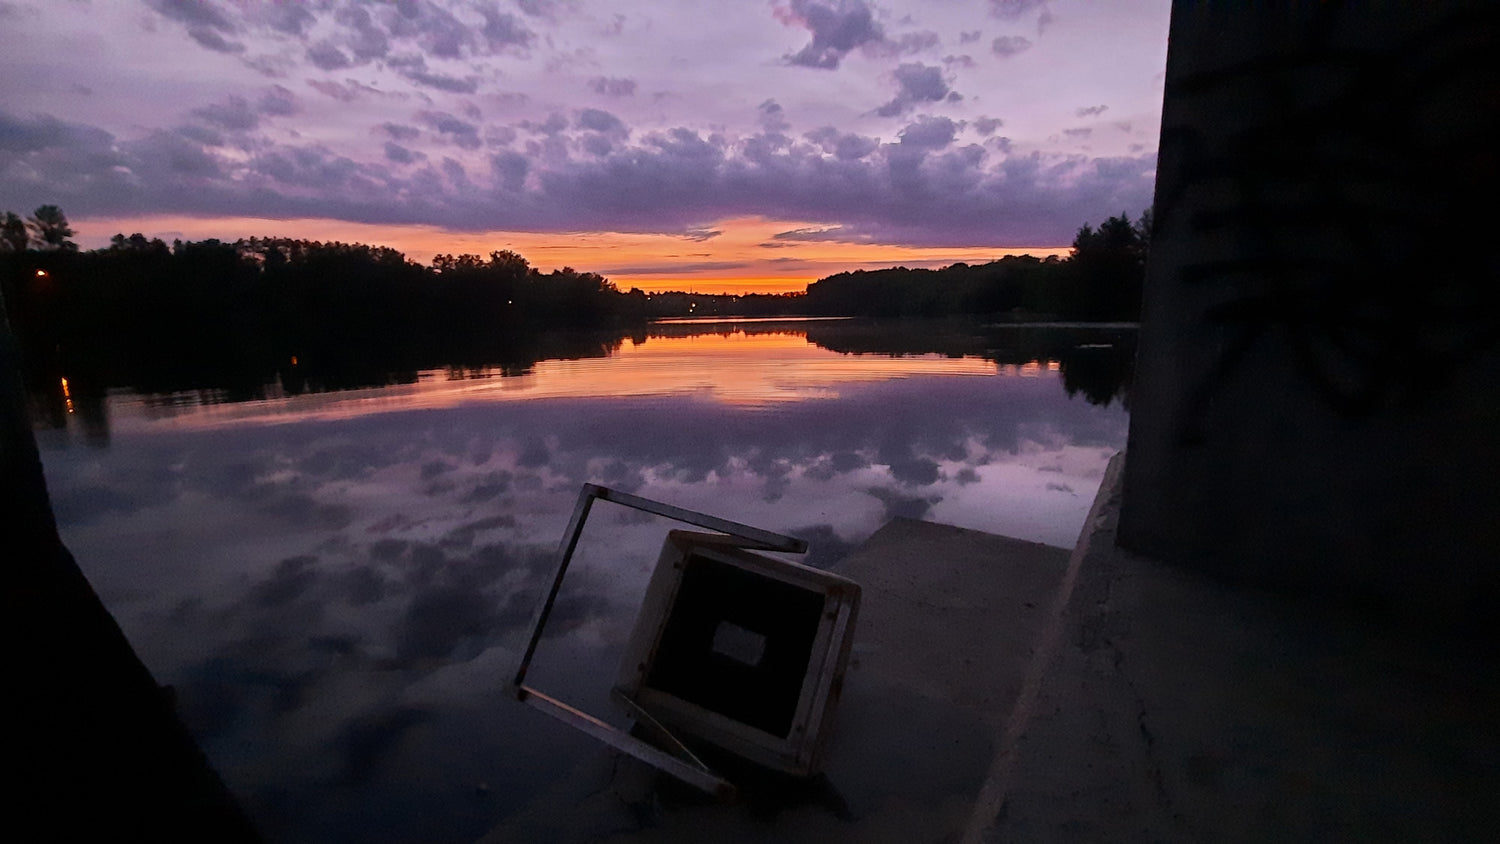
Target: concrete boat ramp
x=1002 y=690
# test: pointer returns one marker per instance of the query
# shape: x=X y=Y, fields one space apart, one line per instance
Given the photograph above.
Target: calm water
x=337 y=583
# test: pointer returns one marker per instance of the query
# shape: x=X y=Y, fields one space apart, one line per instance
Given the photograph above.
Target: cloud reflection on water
x=339 y=599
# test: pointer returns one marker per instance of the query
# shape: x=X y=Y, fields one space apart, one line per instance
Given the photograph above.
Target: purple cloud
x=915 y=83
x=46 y=133
x=538 y=8
x=199 y=13
x=554 y=124
x=844 y=146
x=363 y=36
x=201 y=135
x=413 y=66
x=347 y=91
x=929 y=133
x=175 y=157
x=327 y=56
x=1009 y=45
x=433 y=28
x=597 y=120
x=353 y=34
x=457 y=175
x=213 y=40
x=835 y=234
x=612 y=87
x=1012 y=9
x=510 y=169
x=773 y=117
x=205 y=21
x=400 y=154
x=499 y=136
x=289 y=18
x=278 y=102
x=461 y=132
x=308 y=168
x=907 y=44
x=502 y=29
x=837 y=28
x=596 y=144
x=233 y=114
x=401 y=132
x=927 y=189
x=444 y=82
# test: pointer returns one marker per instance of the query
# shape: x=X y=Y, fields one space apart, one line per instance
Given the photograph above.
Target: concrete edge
x=1097 y=528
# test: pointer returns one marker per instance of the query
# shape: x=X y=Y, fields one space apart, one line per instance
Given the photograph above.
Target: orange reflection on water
x=751 y=369
x=736 y=368
x=747 y=370
x=1033 y=369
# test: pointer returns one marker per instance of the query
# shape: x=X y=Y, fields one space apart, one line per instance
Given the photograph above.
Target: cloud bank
x=589 y=173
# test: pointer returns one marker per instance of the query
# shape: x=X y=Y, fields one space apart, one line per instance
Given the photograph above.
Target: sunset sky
x=738 y=146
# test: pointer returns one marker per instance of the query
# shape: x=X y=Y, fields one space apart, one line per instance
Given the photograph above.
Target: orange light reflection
x=750 y=371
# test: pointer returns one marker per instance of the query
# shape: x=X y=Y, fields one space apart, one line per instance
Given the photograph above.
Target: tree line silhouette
x=235 y=317
x=1100 y=281
x=211 y=314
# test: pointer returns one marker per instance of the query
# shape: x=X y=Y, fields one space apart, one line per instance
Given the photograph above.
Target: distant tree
x=13 y=235
x=1115 y=235
x=1107 y=269
x=136 y=243
x=1143 y=228
x=457 y=263
x=509 y=263
x=50 y=231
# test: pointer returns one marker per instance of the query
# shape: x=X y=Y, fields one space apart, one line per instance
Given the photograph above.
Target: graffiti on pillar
x=1333 y=194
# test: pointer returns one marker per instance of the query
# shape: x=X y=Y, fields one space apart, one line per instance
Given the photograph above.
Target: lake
x=337 y=583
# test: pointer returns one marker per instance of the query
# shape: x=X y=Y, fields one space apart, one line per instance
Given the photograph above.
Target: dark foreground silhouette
x=96 y=748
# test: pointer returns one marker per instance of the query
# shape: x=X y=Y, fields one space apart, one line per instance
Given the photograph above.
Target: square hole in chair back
x=738 y=643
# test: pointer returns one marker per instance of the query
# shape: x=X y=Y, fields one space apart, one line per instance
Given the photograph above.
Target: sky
x=747 y=146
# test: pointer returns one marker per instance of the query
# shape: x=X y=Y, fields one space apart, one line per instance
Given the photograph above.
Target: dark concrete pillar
x=1317 y=404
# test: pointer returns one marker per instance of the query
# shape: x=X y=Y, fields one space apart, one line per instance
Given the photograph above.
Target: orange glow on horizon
x=729 y=286
x=745 y=256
